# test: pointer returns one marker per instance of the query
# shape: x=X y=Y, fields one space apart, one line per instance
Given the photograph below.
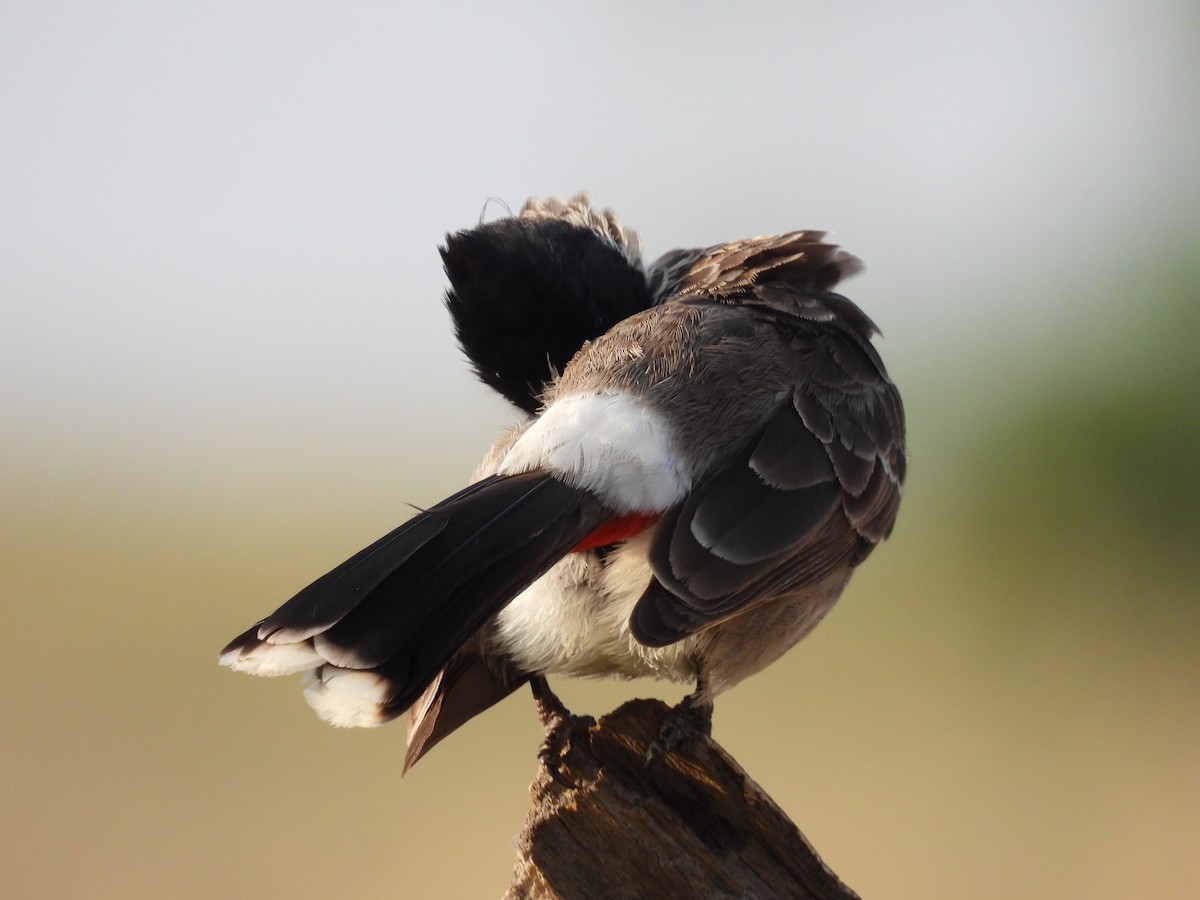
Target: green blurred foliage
x=1101 y=467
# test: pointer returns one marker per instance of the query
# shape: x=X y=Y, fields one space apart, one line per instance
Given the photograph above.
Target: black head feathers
x=526 y=293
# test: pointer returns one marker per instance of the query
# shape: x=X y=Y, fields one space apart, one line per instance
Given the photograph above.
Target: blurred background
x=225 y=367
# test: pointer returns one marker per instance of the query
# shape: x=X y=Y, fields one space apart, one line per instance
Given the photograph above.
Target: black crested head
x=525 y=294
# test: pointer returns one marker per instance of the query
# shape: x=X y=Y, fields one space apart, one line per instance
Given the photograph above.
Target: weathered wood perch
x=692 y=824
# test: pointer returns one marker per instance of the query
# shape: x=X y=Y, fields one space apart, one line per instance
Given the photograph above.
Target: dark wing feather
x=815 y=490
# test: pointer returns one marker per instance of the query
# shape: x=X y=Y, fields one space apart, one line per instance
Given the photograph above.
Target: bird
x=708 y=446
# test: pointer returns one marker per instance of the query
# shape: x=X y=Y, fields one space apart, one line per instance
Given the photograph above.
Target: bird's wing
x=725 y=270
x=816 y=488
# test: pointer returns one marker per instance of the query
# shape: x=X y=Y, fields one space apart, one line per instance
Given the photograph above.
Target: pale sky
x=223 y=217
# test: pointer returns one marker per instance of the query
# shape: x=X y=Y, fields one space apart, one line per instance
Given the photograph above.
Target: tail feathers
x=350 y=698
x=467 y=686
x=377 y=630
x=246 y=653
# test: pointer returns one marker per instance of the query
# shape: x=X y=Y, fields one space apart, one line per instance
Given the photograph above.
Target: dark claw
x=690 y=719
x=560 y=724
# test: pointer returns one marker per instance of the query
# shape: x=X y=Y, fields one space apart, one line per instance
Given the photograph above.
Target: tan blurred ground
x=991 y=711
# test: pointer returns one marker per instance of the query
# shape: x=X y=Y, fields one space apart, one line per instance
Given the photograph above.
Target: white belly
x=574 y=620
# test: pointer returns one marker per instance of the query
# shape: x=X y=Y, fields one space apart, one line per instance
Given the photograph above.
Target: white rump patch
x=347 y=698
x=272 y=659
x=608 y=443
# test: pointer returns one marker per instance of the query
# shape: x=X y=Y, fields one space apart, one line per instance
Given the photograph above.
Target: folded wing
x=814 y=491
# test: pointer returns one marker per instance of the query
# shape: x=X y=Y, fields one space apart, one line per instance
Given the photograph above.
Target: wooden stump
x=689 y=825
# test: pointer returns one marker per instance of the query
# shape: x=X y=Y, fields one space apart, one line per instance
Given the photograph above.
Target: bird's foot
x=690 y=719
x=560 y=725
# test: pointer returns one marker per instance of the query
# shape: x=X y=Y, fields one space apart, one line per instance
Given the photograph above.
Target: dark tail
x=377 y=630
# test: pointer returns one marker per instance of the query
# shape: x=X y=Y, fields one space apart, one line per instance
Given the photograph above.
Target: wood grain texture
x=690 y=825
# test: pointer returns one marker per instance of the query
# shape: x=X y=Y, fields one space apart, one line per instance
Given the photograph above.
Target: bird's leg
x=552 y=712
x=690 y=718
x=559 y=722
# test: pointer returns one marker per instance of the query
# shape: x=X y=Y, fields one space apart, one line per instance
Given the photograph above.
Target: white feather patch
x=608 y=443
x=574 y=620
x=348 y=699
x=272 y=659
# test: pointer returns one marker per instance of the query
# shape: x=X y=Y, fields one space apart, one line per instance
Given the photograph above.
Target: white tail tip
x=347 y=698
